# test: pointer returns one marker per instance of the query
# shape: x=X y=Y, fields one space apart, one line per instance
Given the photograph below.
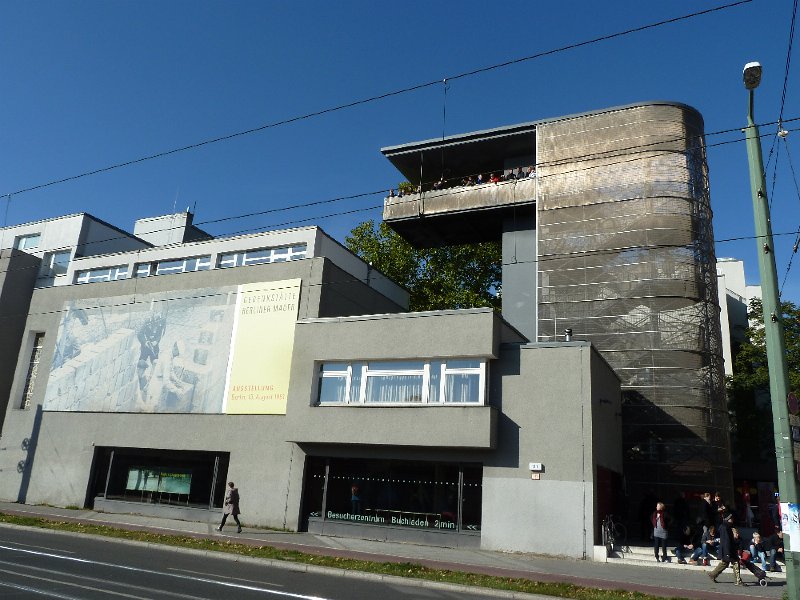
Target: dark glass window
x=402 y=493
x=161 y=476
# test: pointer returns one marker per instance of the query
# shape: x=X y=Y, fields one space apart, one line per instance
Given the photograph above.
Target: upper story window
x=170 y=267
x=260 y=256
x=26 y=242
x=55 y=263
x=102 y=274
x=450 y=381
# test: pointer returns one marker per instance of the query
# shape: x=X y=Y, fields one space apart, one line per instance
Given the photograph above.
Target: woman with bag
x=659 y=521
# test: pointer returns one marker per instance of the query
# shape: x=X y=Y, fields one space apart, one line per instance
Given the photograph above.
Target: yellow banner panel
x=261 y=352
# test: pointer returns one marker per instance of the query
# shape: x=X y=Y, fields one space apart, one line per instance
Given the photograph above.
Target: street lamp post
x=773 y=323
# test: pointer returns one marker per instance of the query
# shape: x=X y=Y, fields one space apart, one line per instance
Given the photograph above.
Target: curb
x=290 y=566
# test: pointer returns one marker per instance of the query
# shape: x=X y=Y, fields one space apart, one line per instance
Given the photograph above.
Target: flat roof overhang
x=461 y=214
x=462 y=155
x=477 y=151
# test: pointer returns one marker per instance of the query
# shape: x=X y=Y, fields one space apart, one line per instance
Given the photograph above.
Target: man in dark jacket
x=728 y=551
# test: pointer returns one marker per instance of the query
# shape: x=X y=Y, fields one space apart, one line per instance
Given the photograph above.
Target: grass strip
x=412 y=570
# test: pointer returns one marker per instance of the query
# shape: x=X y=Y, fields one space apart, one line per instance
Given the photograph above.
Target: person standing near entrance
x=231 y=507
x=659 y=521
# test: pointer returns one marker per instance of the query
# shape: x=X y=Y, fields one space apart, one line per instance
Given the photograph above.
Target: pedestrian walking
x=728 y=551
x=231 y=507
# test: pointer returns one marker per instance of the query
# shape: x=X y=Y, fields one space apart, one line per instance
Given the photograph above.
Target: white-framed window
x=173 y=266
x=56 y=263
x=430 y=382
x=33 y=369
x=394 y=382
x=183 y=265
x=259 y=256
x=334 y=384
x=102 y=274
x=142 y=270
x=26 y=242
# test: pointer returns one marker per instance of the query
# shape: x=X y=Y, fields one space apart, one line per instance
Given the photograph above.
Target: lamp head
x=752 y=75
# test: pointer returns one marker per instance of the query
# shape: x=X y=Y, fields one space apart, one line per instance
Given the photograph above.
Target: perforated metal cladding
x=626 y=260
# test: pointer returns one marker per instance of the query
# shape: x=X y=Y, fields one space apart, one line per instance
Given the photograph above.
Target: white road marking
x=25 y=588
x=82 y=586
x=225 y=577
x=44 y=548
x=165 y=574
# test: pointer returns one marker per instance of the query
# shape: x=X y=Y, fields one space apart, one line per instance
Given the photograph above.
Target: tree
x=464 y=276
x=748 y=388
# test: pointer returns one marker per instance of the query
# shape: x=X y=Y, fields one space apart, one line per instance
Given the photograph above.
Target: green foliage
x=406 y=187
x=750 y=365
x=464 y=276
x=748 y=387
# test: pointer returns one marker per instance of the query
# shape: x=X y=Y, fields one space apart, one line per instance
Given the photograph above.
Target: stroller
x=745 y=560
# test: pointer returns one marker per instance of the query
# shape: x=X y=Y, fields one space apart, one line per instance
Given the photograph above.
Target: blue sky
x=87 y=84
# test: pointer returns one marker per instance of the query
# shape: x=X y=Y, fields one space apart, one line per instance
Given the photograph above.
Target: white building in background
x=60 y=240
x=734 y=298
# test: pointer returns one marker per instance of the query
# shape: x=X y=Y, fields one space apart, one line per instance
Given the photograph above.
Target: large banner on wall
x=261 y=353
x=168 y=352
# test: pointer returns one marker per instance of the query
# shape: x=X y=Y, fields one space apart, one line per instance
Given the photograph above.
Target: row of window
x=459 y=381
x=195 y=263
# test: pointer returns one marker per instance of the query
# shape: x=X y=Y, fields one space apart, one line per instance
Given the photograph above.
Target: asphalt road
x=36 y=565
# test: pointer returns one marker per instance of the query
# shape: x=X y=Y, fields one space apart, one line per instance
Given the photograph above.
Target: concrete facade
x=611 y=239
x=347 y=314
x=18 y=273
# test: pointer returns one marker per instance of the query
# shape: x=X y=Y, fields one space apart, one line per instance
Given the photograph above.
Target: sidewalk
x=653 y=579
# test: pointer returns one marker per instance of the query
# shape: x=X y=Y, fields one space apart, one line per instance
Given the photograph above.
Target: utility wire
x=783 y=95
x=192 y=293
x=375 y=98
x=788 y=62
x=783 y=136
x=624 y=153
x=797 y=238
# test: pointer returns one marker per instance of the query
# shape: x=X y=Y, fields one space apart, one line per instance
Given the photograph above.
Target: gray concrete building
x=605 y=222
x=151 y=376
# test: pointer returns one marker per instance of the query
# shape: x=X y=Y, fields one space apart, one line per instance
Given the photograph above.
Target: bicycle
x=614 y=534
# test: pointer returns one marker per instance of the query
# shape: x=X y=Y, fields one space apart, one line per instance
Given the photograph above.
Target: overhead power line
x=788 y=61
x=626 y=155
x=370 y=99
